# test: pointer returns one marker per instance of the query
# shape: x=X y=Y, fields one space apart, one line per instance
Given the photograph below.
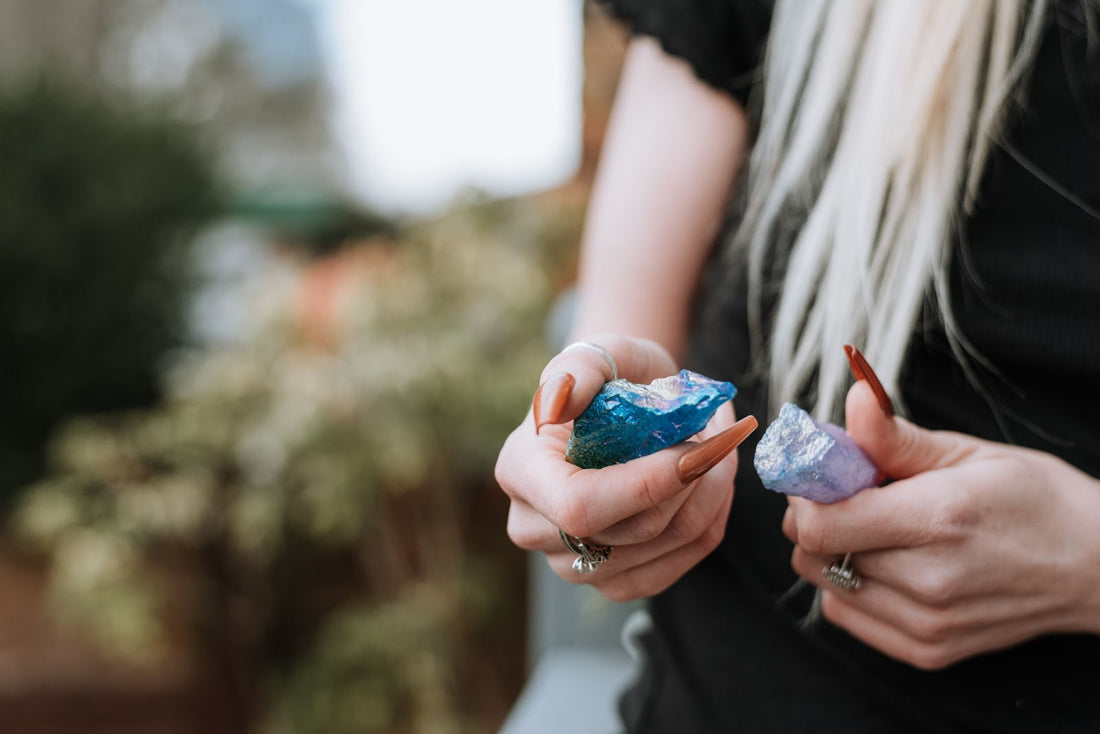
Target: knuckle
x=815 y=536
x=520 y=535
x=563 y=361
x=935 y=589
x=790 y=527
x=929 y=657
x=509 y=470
x=1023 y=468
x=501 y=471
x=517 y=536
x=689 y=523
x=907 y=443
x=650 y=492
x=712 y=537
x=648 y=526
x=573 y=517
x=954 y=515
x=935 y=595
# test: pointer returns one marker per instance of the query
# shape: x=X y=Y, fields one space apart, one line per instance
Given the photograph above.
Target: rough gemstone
x=819 y=461
x=627 y=420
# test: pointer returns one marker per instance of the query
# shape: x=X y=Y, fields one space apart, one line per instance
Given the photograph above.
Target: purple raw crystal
x=626 y=420
x=819 y=461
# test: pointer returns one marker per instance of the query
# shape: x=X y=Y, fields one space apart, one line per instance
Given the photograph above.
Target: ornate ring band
x=600 y=351
x=841 y=574
x=589 y=555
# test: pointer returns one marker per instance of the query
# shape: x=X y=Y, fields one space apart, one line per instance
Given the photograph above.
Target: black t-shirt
x=728 y=651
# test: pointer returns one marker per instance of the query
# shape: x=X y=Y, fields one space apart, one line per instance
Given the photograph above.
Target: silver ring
x=841 y=574
x=598 y=350
x=590 y=556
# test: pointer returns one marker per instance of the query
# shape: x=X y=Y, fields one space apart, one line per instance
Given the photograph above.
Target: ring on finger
x=842 y=575
x=600 y=351
x=590 y=556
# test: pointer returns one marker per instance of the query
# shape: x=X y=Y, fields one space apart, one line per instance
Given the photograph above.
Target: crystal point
x=627 y=420
x=799 y=456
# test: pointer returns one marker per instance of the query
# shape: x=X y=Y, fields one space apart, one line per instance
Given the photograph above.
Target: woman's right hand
x=661 y=513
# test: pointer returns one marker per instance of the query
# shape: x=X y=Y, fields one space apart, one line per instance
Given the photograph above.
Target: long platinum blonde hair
x=877 y=119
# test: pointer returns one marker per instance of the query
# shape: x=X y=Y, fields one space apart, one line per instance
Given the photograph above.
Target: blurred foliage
x=312 y=511
x=95 y=204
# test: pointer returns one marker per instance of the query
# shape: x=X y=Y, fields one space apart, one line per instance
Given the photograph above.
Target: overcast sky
x=434 y=96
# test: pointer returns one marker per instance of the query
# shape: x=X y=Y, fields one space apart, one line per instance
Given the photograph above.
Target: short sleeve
x=723 y=40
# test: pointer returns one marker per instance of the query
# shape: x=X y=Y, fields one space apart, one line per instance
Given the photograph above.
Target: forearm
x=673 y=148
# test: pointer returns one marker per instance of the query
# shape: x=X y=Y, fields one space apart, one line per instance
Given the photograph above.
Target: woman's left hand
x=976 y=547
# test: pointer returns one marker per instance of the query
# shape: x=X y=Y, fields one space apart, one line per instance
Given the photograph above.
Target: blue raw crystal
x=819 y=461
x=626 y=420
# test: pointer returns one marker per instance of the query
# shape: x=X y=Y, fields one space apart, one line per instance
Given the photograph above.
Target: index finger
x=638 y=360
x=583 y=502
x=911 y=512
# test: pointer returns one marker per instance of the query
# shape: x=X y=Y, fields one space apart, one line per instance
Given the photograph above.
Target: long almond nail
x=862 y=371
x=700 y=459
x=550 y=399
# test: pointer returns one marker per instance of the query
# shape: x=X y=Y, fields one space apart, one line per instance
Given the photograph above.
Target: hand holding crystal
x=975 y=547
x=660 y=513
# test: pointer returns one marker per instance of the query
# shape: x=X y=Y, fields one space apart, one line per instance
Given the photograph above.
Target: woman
x=921 y=182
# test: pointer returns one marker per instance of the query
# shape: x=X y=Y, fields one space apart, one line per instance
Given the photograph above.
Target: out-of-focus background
x=275 y=283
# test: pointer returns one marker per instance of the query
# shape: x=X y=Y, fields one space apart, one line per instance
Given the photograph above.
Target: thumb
x=898 y=448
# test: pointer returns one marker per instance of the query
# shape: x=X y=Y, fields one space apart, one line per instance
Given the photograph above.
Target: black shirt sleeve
x=723 y=40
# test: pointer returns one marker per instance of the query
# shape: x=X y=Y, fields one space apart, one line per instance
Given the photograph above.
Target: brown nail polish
x=551 y=397
x=861 y=369
x=700 y=459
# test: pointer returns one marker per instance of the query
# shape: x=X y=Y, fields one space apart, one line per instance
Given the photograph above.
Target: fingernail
x=699 y=460
x=862 y=371
x=550 y=399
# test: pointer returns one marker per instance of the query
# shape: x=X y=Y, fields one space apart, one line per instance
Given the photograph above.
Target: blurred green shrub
x=95 y=203
x=325 y=490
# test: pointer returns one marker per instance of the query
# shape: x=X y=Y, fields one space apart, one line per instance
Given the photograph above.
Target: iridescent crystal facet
x=627 y=420
x=799 y=456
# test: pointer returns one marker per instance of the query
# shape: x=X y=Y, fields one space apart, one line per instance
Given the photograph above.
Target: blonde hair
x=877 y=120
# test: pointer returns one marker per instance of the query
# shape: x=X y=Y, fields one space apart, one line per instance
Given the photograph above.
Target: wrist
x=1085 y=514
